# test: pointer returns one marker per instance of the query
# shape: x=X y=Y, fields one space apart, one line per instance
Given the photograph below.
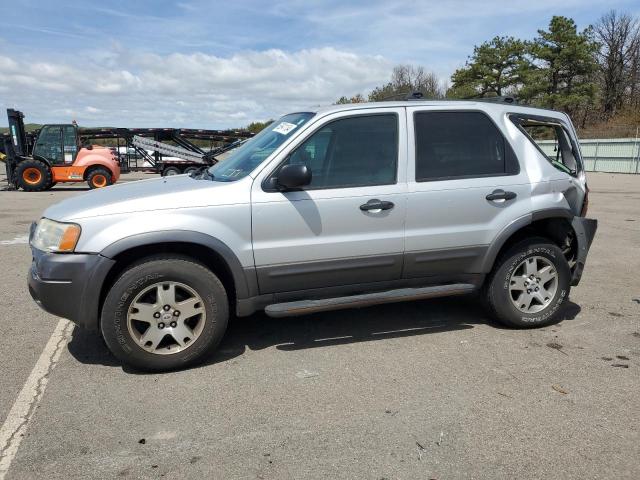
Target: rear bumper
x=68 y=285
x=585 y=229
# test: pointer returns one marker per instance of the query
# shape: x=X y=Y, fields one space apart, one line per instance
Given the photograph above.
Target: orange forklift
x=37 y=163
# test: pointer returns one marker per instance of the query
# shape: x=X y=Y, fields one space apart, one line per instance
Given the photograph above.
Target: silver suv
x=344 y=206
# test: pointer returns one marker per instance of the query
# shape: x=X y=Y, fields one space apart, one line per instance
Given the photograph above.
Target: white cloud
x=199 y=90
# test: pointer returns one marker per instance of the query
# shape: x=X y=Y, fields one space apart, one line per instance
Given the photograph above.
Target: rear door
x=327 y=234
x=464 y=187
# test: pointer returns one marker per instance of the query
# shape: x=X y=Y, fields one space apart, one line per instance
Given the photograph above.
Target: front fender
x=184 y=236
x=98 y=157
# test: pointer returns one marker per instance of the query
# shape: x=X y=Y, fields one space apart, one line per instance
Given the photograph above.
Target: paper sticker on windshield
x=284 y=128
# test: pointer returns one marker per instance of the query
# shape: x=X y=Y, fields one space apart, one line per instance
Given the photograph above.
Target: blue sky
x=196 y=63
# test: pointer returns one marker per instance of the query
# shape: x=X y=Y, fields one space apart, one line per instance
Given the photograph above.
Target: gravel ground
x=429 y=389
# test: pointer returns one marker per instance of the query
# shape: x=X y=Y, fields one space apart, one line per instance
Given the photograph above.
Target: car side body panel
x=314 y=244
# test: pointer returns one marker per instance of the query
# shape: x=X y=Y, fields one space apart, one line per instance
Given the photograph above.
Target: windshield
x=247 y=157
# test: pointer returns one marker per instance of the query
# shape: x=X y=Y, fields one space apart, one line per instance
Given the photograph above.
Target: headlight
x=52 y=236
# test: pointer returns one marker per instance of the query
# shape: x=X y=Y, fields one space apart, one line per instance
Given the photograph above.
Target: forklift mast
x=17 y=132
x=15 y=144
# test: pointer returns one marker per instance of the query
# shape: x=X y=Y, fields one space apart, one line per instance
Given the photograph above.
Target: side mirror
x=293 y=176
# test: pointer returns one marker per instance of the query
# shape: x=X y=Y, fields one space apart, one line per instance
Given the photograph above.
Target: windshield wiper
x=202 y=173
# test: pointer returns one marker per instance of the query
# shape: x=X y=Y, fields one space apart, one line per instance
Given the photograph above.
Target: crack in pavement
x=22 y=411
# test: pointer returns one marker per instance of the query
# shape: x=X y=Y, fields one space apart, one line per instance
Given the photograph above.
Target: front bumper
x=585 y=229
x=69 y=284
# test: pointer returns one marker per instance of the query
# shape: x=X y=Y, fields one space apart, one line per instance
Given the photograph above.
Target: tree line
x=593 y=74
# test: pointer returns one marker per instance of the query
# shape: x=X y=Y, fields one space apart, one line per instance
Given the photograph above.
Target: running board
x=304 y=307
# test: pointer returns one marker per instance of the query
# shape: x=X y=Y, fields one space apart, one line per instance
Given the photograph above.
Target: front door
x=347 y=226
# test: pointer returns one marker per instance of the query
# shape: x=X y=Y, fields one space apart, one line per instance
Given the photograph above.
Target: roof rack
x=500 y=99
x=405 y=96
x=414 y=96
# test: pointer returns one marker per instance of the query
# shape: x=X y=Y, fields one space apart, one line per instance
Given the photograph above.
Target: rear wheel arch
x=553 y=225
x=94 y=167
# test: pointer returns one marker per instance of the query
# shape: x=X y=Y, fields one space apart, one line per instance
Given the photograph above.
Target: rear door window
x=452 y=145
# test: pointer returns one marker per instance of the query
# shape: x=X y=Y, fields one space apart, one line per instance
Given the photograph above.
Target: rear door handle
x=501 y=195
x=375 y=204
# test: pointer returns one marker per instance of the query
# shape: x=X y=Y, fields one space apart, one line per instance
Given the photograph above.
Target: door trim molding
x=327 y=273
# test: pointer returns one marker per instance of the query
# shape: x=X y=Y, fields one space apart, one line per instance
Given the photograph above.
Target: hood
x=179 y=191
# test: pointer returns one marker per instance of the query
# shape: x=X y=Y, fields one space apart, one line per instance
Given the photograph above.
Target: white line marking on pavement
x=21 y=413
x=16 y=241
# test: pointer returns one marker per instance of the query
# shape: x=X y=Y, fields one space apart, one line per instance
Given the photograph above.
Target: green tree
x=256 y=127
x=357 y=98
x=495 y=68
x=563 y=76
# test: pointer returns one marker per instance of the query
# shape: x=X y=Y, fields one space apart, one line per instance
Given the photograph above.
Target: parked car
x=344 y=206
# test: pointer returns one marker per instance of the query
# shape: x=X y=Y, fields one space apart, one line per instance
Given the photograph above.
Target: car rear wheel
x=99 y=178
x=163 y=313
x=528 y=284
x=33 y=175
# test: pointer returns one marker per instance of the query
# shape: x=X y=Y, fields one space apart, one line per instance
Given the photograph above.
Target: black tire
x=146 y=273
x=33 y=175
x=99 y=178
x=169 y=171
x=190 y=170
x=498 y=295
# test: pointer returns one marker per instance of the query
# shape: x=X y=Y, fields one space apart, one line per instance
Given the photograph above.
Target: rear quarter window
x=553 y=140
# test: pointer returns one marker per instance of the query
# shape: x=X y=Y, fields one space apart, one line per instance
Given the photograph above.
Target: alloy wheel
x=533 y=284
x=166 y=318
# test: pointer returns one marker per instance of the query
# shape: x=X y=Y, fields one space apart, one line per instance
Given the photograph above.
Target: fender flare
x=38 y=158
x=93 y=166
x=514 y=226
x=501 y=239
x=185 y=236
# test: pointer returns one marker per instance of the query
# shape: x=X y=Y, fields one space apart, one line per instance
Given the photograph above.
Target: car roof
x=494 y=107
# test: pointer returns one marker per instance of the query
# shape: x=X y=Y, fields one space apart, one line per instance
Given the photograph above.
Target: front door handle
x=375 y=204
x=501 y=195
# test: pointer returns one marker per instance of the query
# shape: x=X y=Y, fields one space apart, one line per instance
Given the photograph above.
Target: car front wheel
x=528 y=284
x=163 y=313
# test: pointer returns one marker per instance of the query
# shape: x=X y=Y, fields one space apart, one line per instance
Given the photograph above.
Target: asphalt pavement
x=430 y=389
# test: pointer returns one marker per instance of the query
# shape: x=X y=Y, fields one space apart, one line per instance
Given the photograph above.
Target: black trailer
x=204 y=144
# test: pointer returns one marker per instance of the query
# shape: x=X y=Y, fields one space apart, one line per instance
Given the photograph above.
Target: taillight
x=585 y=204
